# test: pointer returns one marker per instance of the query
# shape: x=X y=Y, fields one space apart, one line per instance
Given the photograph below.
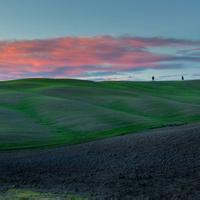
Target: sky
x=100 y=39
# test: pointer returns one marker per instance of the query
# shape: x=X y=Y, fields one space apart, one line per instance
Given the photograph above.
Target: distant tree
x=182 y=78
x=153 y=78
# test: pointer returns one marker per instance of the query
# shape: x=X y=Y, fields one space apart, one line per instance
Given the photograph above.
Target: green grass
x=48 y=112
x=24 y=194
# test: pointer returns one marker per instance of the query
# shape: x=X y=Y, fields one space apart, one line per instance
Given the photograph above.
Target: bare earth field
x=159 y=164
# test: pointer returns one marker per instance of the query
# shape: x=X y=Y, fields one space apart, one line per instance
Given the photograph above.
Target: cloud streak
x=77 y=56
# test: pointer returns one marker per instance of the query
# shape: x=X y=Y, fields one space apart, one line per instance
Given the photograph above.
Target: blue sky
x=27 y=19
x=31 y=20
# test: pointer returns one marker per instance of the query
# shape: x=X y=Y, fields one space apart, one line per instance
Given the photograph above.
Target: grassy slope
x=47 y=112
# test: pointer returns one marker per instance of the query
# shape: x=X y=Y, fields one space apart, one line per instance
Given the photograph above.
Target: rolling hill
x=50 y=112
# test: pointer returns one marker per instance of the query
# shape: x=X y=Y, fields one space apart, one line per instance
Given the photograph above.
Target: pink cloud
x=77 y=53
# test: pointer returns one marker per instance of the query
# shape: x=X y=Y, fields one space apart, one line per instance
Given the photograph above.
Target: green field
x=49 y=112
x=15 y=194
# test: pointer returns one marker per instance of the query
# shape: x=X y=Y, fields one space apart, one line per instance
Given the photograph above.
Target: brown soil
x=158 y=164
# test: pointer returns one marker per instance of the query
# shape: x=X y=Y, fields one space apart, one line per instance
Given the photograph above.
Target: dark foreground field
x=159 y=164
